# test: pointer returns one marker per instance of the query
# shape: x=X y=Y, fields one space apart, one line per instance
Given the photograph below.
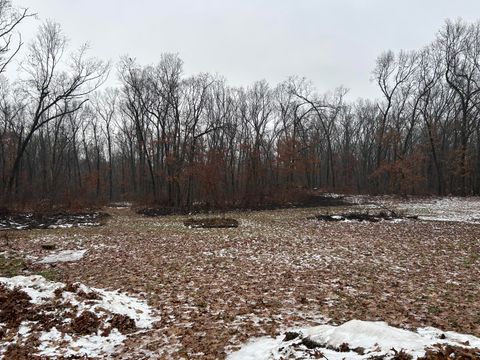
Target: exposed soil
x=14 y=306
x=123 y=323
x=211 y=223
x=49 y=220
x=86 y=323
x=70 y=287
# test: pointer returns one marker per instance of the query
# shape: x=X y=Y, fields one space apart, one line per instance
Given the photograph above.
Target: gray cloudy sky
x=331 y=42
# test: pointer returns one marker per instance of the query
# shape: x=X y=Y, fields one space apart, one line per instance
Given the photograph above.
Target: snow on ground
x=41 y=290
x=90 y=345
x=54 y=316
x=63 y=256
x=353 y=340
x=456 y=209
x=37 y=287
x=445 y=209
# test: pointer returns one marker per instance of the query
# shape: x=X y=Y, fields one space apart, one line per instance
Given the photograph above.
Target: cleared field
x=213 y=289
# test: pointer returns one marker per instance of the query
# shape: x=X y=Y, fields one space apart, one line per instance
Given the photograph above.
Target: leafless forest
x=163 y=137
x=126 y=191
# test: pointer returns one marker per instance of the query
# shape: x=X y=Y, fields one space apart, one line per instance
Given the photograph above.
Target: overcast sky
x=331 y=42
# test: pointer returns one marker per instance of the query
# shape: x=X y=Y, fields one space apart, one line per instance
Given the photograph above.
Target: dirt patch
x=49 y=247
x=14 y=306
x=310 y=344
x=291 y=335
x=86 y=323
x=123 y=323
x=18 y=352
x=70 y=287
x=92 y=295
x=50 y=220
x=211 y=223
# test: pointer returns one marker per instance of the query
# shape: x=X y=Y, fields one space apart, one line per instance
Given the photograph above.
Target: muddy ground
x=216 y=288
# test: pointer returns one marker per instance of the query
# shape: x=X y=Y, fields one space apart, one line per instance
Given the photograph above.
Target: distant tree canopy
x=181 y=140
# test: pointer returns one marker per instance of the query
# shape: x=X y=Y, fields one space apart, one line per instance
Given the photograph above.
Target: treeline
x=181 y=140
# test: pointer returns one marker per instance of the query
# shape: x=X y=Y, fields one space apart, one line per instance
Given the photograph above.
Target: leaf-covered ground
x=216 y=288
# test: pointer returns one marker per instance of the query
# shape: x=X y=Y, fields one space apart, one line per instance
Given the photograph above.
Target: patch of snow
x=94 y=345
x=23 y=330
x=122 y=304
x=12 y=225
x=86 y=224
x=90 y=345
x=42 y=290
x=449 y=336
x=365 y=334
x=63 y=256
x=260 y=349
x=54 y=343
x=333 y=195
x=454 y=209
x=59 y=226
x=37 y=287
x=376 y=338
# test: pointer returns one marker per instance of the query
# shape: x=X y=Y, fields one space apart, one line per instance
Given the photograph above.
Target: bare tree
x=54 y=87
x=390 y=73
x=460 y=43
x=105 y=105
x=10 y=18
x=193 y=141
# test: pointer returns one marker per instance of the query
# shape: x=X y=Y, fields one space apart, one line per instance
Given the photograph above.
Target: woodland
x=179 y=140
x=367 y=245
